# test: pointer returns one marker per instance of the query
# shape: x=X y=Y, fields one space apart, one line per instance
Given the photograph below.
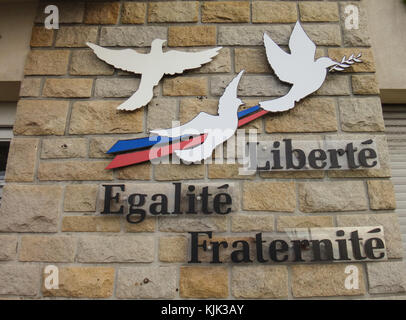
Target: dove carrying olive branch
x=346 y=63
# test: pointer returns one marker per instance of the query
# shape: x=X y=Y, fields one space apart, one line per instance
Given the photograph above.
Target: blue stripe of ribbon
x=146 y=142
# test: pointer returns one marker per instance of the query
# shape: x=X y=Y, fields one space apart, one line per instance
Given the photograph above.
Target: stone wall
x=67 y=120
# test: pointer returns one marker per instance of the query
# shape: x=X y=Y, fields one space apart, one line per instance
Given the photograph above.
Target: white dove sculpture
x=219 y=128
x=298 y=68
x=152 y=66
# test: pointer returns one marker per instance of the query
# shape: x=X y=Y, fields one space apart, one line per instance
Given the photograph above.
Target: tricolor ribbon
x=147 y=148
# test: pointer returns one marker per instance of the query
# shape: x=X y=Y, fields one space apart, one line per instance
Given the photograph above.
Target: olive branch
x=346 y=63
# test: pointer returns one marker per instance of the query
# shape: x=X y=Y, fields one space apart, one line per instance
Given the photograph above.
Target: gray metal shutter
x=395 y=122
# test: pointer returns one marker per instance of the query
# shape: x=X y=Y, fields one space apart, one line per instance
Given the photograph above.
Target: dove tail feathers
x=277 y=105
x=195 y=154
x=140 y=98
x=92 y=45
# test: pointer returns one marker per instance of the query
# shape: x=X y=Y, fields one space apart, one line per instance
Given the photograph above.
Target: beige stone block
x=190 y=36
x=69 y=11
x=203 y=282
x=273 y=12
x=367 y=65
x=22 y=159
x=98 y=146
x=74 y=170
x=332 y=196
x=253 y=35
x=365 y=84
x=41 y=117
x=30 y=87
x=287 y=222
x=381 y=195
x=173 y=249
x=335 y=85
x=324 y=34
x=220 y=63
x=75 y=36
x=313 y=11
x=356 y=37
x=30 y=208
x=312 y=174
x=83 y=282
x=41 y=37
x=250 y=222
x=91 y=224
x=102 y=12
x=387 y=277
x=185 y=86
x=172 y=172
x=250 y=86
x=85 y=62
x=133 y=12
x=361 y=114
x=47 y=249
x=102 y=116
x=64 y=148
x=390 y=225
x=140 y=171
x=68 y=88
x=182 y=224
x=310 y=115
x=148 y=225
x=47 y=62
x=8 y=247
x=326 y=280
x=19 y=279
x=131 y=36
x=225 y=11
x=251 y=60
x=147 y=282
x=116 y=87
x=261 y=282
x=269 y=196
x=161 y=113
x=226 y=171
x=80 y=197
x=107 y=249
x=186 y=11
x=191 y=107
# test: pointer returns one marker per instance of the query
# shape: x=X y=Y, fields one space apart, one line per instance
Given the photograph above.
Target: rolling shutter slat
x=395 y=124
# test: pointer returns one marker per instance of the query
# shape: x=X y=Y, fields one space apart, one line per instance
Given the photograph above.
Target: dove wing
x=300 y=45
x=279 y=60
x=194 y=127
x=178 y=61
x=228 y=99
x=125 y=59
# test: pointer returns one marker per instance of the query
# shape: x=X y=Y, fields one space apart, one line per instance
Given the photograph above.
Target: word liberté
x=312 y=155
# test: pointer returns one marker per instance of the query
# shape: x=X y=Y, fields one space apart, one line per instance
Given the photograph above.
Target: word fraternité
x=296 y=245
